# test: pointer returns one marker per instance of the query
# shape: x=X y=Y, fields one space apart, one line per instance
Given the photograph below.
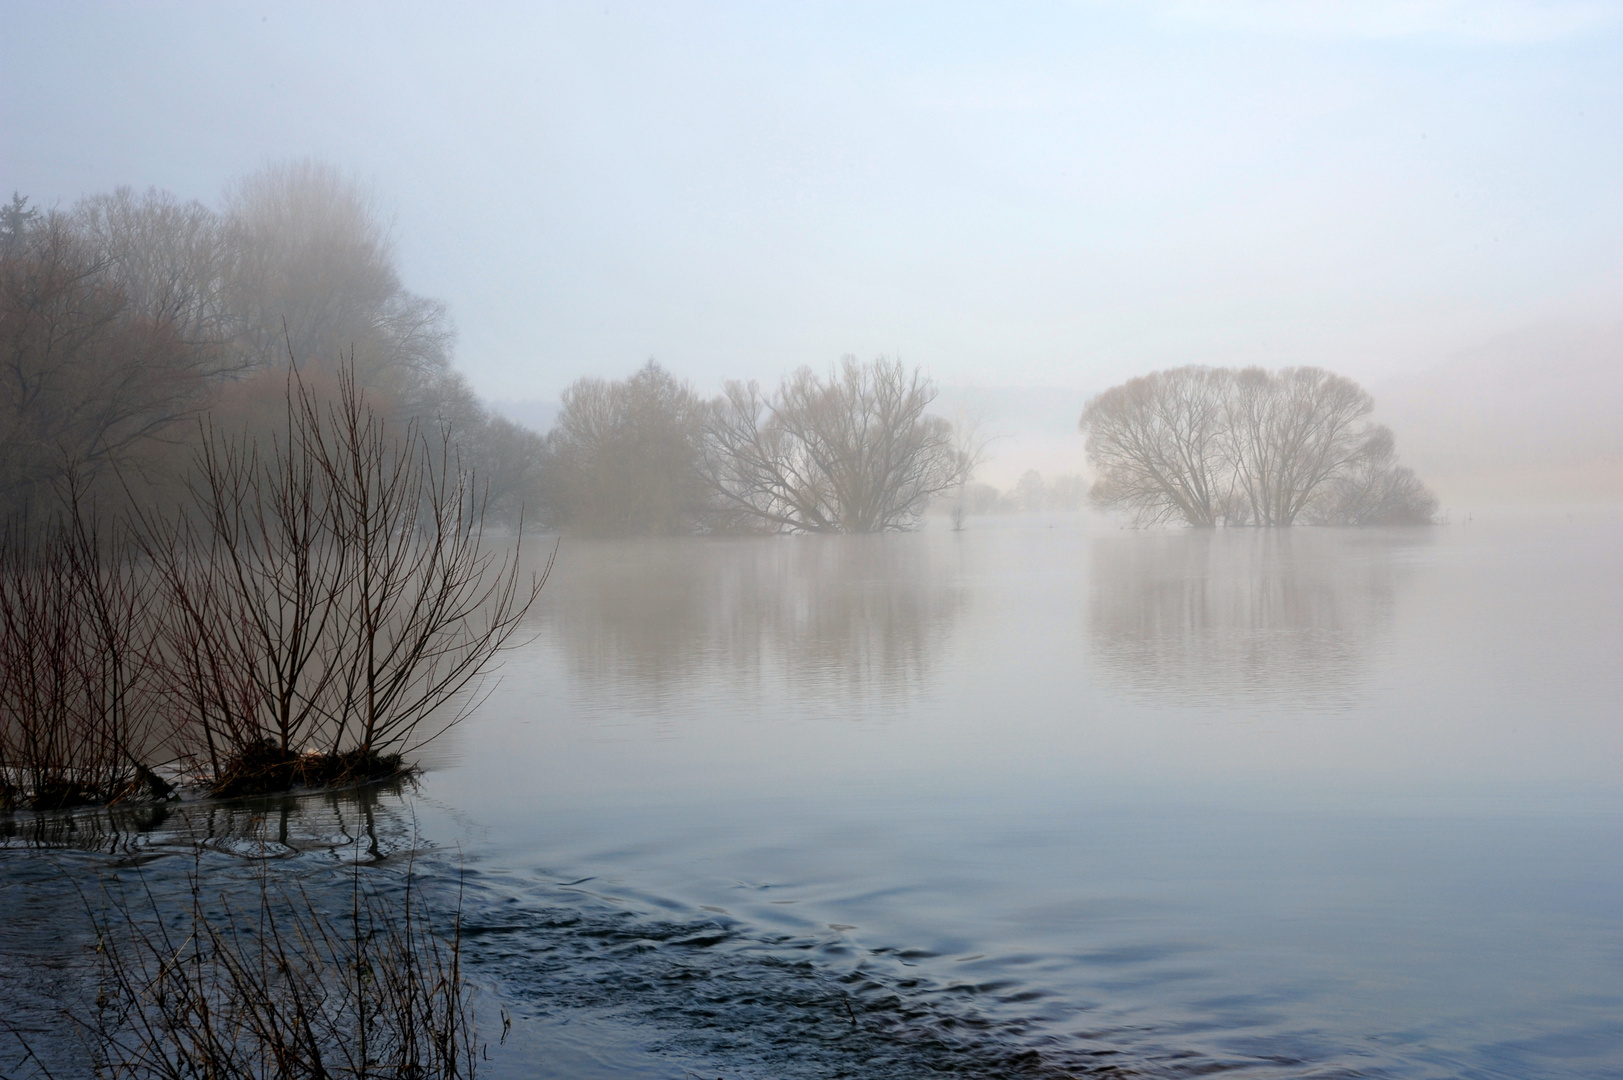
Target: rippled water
x=1040 y=798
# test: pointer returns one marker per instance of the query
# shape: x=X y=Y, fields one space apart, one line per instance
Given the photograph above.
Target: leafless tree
x=855 y=452
x=78 y=715
x=312 y=269
x=1373 y=490
x=1155 y=443
x=1287 y=434
x=1213 y=446
x=1030 y=493
x=624 y=457
x=331 y=591
x=88 y=381
x=169 y=258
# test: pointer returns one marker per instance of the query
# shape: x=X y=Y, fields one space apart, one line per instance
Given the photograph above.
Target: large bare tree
x=1213 y=446
x=855 y=452
x=1286 y=435
x=1155 y=443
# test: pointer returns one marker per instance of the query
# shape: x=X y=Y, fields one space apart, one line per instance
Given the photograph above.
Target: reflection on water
x=1217 y=617
x=1378 y=837
x=807 y=617
x=368 y=819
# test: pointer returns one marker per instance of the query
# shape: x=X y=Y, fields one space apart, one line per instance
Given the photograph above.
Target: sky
x=1010 y=195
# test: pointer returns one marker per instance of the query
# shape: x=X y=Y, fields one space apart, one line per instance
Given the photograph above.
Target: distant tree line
x=130 y=323
x=1216 y=446
x=1031 y=494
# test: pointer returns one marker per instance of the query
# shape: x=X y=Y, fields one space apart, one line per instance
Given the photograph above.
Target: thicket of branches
x=1215 y=446
x=319 y=603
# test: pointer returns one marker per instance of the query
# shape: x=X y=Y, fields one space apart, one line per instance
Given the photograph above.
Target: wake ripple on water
x=801 y=1005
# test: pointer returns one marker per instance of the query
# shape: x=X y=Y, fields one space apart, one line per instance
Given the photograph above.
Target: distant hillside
x=1531 y=416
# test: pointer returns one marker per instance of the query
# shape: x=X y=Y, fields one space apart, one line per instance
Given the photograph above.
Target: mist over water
x=1326 y=802
x=1044 y=797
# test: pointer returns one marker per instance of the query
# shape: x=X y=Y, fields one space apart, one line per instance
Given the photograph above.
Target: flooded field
x=1041 y=798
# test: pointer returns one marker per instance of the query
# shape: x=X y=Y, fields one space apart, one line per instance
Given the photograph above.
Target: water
x=1042 y=798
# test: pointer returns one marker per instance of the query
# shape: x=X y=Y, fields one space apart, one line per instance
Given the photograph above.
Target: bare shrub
x=78 y=715
x=327 y=594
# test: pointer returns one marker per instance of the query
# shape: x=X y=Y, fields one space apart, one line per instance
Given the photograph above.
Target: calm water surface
x=1043 y=798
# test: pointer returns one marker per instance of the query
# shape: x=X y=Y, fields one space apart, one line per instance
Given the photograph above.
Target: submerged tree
x=1374 y=489
x=624 y=457
x=855 y=452
x=1155 y=441
x=1213 y=446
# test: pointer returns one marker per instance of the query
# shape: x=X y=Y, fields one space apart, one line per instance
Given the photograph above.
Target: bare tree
x=853 y=453
x=329 y=593
x=1287 y=434
x=312 y=269
x=1373 y=490
x=88 y=381
x=1212 y=446
x=77 y=713
x=624 y=457
x=1154 y=441
x=169 y=258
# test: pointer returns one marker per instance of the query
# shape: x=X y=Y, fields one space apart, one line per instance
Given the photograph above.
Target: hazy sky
x=1049 y=194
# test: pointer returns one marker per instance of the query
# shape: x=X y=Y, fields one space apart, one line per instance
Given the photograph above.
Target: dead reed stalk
x=280 y=990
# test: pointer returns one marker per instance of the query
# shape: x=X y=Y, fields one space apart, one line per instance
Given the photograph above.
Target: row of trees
x=128 y=316
x=1217 y=446
x=853 y=451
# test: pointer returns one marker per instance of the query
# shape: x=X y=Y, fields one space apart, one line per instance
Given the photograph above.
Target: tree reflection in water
x=645 y=624
x=369 y=818
x=1244 y=616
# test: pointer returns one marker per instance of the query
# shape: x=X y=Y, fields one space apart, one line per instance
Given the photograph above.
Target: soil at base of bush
x=263 y=767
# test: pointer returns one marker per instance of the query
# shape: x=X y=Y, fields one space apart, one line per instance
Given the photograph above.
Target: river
x=1044 y=797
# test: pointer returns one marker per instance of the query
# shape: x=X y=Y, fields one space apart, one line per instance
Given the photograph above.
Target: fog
x=1060 y=198
x=813 y=540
